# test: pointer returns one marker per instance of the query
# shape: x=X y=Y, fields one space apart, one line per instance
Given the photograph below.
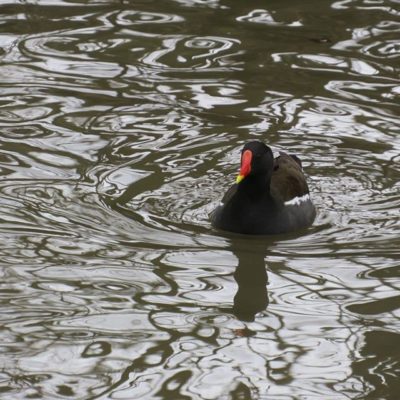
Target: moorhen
x=270 y=196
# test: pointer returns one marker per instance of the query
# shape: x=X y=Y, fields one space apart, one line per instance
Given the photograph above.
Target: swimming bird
x=270 y=196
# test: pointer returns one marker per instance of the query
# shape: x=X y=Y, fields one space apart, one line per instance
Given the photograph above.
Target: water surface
x=121 y=124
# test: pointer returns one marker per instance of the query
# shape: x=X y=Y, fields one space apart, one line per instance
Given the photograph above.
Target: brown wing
x=288 y=180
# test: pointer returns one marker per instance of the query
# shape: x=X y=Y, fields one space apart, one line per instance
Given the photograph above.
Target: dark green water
x=121 y=124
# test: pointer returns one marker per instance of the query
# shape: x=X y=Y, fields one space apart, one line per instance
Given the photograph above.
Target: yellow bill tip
x=239 y=178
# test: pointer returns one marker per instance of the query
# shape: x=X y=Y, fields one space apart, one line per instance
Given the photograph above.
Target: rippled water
x=121 y=124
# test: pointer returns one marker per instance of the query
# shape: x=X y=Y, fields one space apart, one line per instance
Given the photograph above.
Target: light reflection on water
x=121 y=127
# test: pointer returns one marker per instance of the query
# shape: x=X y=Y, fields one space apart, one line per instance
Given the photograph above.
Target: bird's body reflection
x=251 y=277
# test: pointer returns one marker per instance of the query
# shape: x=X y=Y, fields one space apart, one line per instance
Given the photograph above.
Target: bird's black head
x=256 y=159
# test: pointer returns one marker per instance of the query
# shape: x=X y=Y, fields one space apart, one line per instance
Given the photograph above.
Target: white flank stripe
x=297 y=200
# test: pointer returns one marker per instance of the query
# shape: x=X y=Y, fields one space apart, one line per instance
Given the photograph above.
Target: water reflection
x=251 y=277
x=378 y=365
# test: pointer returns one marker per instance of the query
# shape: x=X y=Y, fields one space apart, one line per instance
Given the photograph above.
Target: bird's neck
x=256 y=185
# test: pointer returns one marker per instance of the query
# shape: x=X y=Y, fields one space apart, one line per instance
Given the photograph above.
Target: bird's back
x=288 y=180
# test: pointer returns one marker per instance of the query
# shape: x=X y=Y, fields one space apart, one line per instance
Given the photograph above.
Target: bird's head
x=256 y=158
